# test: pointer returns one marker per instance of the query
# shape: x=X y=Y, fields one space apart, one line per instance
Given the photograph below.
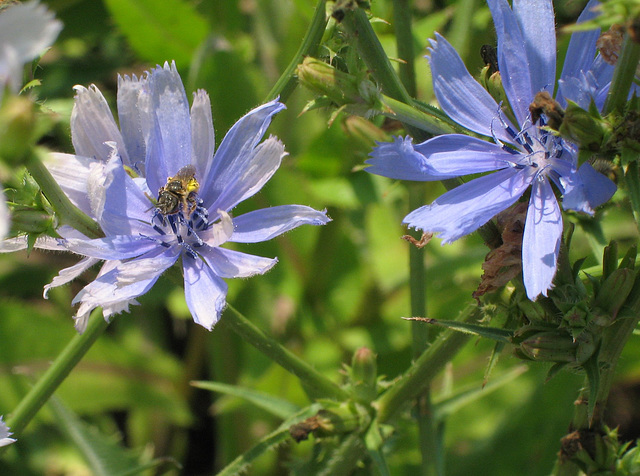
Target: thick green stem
x=318 y=384
x=287 y=81
x=67 y=212
x=55 y=375
x=623 y=76
x=424 y=369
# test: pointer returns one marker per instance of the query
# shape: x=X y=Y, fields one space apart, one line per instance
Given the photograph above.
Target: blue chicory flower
x=523 y=156
x=26 y=30
x=5 y=434
x=160 y=192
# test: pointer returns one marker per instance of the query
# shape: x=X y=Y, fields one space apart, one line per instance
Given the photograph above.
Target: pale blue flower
x=158 y=136
x=26 y=31
x=523 y=156
x=5 y=434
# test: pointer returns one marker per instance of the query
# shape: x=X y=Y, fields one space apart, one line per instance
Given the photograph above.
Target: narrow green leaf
x=450 y=405
x=593 y=376
x=276 y=406
x=494 y=333
x=160 y=31
x=102 y=454
x=374 y=441
x=273 y=439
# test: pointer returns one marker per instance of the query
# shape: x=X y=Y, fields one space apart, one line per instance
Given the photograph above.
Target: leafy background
x=335 y=289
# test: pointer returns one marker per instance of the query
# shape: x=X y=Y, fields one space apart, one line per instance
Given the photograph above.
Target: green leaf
x=494 y=333
x=160 y=31
x=276 y=406
x=102 y=454
x=374 y=441
x=444 y=408
x=277 y=437
x=593 y=376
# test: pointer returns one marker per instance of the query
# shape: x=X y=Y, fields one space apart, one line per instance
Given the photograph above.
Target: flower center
x=179 y=212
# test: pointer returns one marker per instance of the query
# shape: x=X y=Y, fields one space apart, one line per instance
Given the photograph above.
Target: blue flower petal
x=469 y=206
x=460 y=95
x=513 y=60
x=203 y=142
x=171 y=108
x=205 y=292
x=236 y=150
x=234 y=264
x=116 y=247
x=267 y=223
x=92 y=125
x=245 y=176
x=399 y=160
x=118 y=204
x=582 y=45
x=135 y=116
x=541 y=240
x=124 y=281
x=452 y=155
x=594 y=190
x=538 y=26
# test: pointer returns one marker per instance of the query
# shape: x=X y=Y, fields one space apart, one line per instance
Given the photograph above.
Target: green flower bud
x=28 y=220
x=364 y=372
x=492 y=82
x=549 y=346
x=613 y=293
x=322 y=78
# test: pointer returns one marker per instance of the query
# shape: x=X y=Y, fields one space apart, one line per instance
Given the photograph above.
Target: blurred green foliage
x=335 y=288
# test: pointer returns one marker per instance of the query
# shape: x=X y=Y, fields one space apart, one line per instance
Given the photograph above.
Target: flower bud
x=583 y=128
x=549 y=346
x=364 y=372
x=614 y=292
x=28 y=220
x=492 y=82
x=322 y=78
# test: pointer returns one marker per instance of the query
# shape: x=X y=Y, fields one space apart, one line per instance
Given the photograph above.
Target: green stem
x=55 y=375
x=424 y=369
x=404 y=44
x=623 y=76
x=430 y=122
x=287 y=81
x=371 y=51
x=67 y=212
x=632 y=182
x=318 y=384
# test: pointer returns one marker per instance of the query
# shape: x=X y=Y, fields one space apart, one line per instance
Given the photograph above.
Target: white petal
x=219 y=232
x=72 y=174
x=5 y=434
x=69 y=274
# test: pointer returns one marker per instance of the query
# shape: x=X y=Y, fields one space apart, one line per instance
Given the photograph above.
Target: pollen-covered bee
x=179 y=194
